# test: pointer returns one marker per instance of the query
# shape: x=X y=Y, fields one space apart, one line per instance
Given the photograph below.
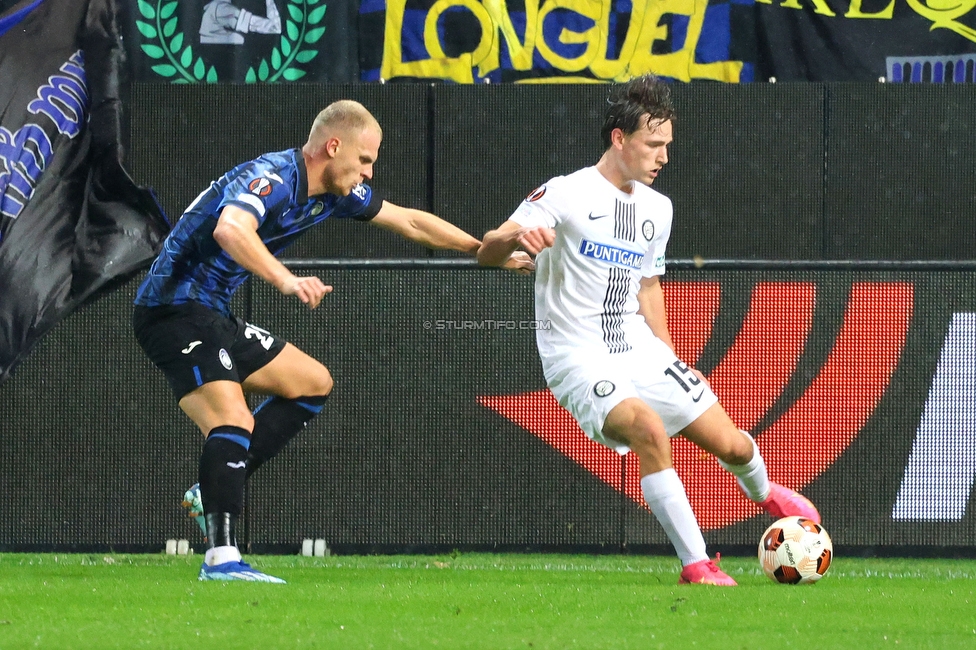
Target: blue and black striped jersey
x=192 y=266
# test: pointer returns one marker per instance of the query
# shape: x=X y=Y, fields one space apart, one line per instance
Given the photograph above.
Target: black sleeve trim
x=373 y=208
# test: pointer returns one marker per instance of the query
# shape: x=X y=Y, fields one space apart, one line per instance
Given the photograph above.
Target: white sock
x=222 y=554
x=666 y=497
x=752 y=476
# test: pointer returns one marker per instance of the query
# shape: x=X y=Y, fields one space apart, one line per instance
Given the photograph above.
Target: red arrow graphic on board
x=798 y=446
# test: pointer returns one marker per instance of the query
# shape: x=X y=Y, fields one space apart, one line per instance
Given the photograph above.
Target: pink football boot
x=705 y=572
x=784 y=502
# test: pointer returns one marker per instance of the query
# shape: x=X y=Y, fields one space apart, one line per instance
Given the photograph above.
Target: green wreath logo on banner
x=181 y=65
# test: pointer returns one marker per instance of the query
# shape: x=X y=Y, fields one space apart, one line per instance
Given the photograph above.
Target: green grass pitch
x=478 y=601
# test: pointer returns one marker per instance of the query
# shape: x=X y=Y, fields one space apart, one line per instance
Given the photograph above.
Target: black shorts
x=193 y=345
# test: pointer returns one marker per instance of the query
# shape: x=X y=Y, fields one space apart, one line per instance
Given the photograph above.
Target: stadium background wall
x=858 y=378
x=758 y=171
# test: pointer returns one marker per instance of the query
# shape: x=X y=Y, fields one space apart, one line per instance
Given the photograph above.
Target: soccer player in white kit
x=600 y=235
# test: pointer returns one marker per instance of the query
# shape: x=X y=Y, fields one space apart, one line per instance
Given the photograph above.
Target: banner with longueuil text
x=476 y=41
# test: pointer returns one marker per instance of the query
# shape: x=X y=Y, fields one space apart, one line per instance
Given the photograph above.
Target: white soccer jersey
x=586 y=284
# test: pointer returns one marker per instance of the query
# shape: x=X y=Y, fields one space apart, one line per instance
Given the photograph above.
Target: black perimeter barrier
x=858 y=379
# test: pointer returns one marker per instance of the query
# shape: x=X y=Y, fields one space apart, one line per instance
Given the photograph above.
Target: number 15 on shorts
x=685 y=377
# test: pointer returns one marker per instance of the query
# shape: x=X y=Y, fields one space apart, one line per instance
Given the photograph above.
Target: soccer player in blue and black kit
x=210 y=357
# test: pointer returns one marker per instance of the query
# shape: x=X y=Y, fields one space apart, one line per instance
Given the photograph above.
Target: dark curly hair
x=634 y=104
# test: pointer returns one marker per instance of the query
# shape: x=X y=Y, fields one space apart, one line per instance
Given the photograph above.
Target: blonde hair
x=338 y=118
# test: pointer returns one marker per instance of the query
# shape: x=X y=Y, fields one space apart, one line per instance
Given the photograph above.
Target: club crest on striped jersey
x=647 y=229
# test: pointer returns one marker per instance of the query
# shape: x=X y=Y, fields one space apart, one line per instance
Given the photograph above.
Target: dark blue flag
x=73 y=224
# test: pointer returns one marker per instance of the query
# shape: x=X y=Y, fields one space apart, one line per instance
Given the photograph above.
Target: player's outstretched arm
x=236 y=233
x=500 y=244
x=650 y=297
x=424 y=228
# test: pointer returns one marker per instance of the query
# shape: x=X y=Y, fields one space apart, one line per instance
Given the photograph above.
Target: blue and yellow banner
x=472 y=41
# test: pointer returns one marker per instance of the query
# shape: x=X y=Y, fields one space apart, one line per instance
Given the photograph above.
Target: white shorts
x=590 y=383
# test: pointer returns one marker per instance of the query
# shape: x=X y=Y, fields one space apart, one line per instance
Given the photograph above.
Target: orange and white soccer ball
x=795 y=550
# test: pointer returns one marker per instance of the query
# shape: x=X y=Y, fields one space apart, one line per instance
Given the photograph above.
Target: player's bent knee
x=648 y=437
x=624 y=415
x=737 y=448
x=311 y=380
x=321 y=383
x=638 y=426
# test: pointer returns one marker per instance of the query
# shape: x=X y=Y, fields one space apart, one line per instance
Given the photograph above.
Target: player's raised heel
x=705 y=572
x=236 y=571
x=194 y=508
x=784 y=502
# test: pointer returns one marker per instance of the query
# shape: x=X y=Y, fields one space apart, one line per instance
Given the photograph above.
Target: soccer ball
x=795 y=550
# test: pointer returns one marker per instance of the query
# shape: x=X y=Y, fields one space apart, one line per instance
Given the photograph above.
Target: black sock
x=223 y=470
x=221 y=529
x=276 y=422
